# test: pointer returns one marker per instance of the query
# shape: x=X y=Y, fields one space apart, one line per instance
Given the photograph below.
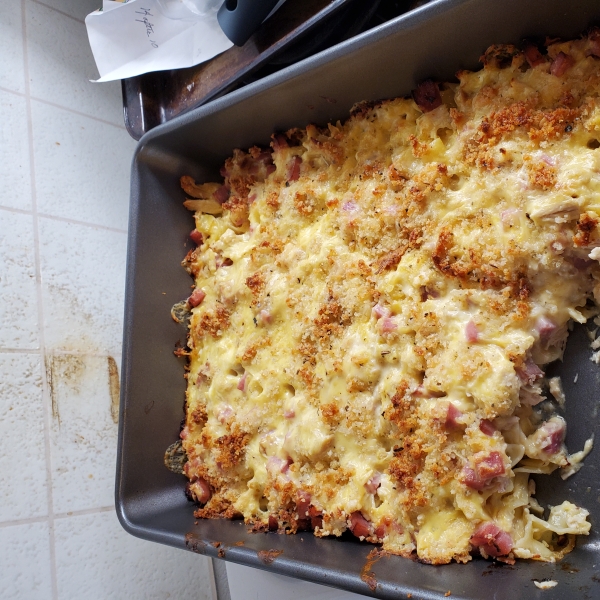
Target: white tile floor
x=64 y=188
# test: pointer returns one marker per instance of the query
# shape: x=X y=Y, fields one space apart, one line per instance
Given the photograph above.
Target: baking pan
x=433 y=41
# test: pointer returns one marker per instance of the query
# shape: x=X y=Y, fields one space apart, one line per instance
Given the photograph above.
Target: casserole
x=434 y=41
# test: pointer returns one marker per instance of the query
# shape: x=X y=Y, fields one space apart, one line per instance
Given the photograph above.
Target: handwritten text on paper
x=145 y=13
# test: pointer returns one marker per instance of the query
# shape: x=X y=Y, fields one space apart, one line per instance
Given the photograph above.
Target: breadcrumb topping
x=379 y=299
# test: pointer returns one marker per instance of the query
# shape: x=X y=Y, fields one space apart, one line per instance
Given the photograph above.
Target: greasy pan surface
x=434 y=41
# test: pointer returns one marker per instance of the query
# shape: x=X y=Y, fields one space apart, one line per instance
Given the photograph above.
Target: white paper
x=132 y=38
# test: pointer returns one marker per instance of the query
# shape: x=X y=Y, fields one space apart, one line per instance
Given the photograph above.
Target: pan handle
x=239 y=19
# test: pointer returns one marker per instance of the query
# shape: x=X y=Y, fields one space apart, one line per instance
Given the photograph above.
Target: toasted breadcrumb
x=380 y=298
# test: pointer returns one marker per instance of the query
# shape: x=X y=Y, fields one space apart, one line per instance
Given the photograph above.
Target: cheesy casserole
x=375 y=302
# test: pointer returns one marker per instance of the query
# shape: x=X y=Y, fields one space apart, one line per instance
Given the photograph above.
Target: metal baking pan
x=433 y=41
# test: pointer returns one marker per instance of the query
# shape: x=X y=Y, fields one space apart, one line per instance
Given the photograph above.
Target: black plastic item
x=239 y=19
x=433 y=41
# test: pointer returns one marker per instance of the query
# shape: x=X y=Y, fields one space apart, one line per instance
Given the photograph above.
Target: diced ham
x=350 y=207
x=553 y=435
x=594 y=42
x=491 y=540
x=196 y=298
x=594 y=47
x=487 y=427
x=256 y=164
x=581 y=264
x=373 y=484
x=359 y=526
x=200 y=491
x=471 y=479
x=224 y=414
x=191 y=466
x=561 y=64
x=485 y=469
x=530 y=396
x=545 y=328
x=471 y=332
x=529 y=372
x=265 y=157
x=265 y=317
x=381 y=311
x=427 y=96
x=452 y=416
x=221 y=194
x=279 y=141
x=184 y=433
x=289 y=414
x=303 y=524
x=302 y=503
x=388 y=325
x=510 y=216
x=293 y=168
x=274 y=464
x=278 y=465
x=533 y=56
x=203 y=374
x=492 y=466
x=549 y=160
x=222 y=262
x=196 y=237
x=242 y=383
x=316 y=517
x=380 y=531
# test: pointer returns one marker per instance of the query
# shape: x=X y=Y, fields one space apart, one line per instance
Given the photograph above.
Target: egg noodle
x=375 y=302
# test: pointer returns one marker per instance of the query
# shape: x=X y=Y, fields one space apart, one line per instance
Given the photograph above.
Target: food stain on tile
x=114 y=387
x=68 y=295
x=62 y=369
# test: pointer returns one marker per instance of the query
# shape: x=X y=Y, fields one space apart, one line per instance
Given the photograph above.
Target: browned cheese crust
x=375 y=302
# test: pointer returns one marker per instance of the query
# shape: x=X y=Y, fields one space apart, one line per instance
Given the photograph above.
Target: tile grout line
x=9 y=91
x=77 y=112
x=38 y=276
x=61 y=107
x=59 y=352
x=23 y=211
x=84 y=512
x=67 y=515
x=16 y=522
x=19 y=350
x=84 y=223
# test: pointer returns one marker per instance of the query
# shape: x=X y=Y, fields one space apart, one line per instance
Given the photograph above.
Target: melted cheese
x=377 y=296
